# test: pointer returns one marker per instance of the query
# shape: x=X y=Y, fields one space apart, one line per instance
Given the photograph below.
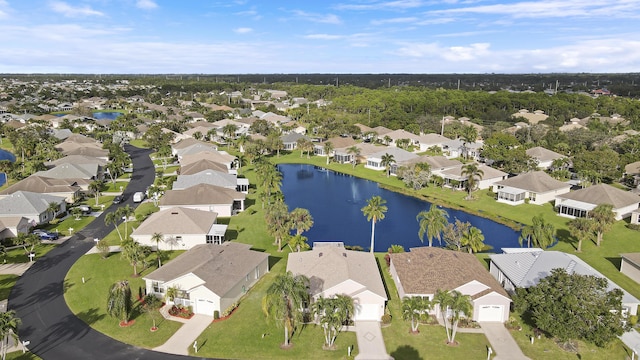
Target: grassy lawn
x=141 y=212
x=139 y=143
x=111 y=187
x=430 y=343
x=6 y=283
x=62 y=227
x=18 y=255
x=88 y=300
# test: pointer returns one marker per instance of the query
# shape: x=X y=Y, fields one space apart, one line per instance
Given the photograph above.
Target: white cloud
x=71 y=11
x=146 y=4
x=383 y=5
x=324 y=37
x=319 y=18
x=243 y=30
x=4 y=9
x=402 y=20
x=552 y=8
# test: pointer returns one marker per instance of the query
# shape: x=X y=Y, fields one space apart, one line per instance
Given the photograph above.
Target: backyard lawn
x=88 y=300
x=6 y=283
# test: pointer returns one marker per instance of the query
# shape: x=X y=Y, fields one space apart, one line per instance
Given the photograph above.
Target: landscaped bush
x=181 y=311
x=634 y=227
x=216 y=314
x=229 y=310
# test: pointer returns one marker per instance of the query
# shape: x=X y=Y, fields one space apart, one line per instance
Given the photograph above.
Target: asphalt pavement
x=52 y=330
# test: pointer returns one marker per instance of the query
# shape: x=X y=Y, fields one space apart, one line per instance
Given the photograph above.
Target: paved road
x=53 y=331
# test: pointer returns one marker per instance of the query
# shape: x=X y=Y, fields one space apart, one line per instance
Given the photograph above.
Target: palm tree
x=355 y=152
x=328 y=148
x=603 y=218
x=433 y=222
x=301 y=220
x=387 y=160
x=298 y=242
x=9 y=324
x=151 y=306
x=474 y=174
x=444 y=299
x=229 y=132
x=135 y=254
x=460 y=305
x=332 y=314
x=53 y=208
x=284 y=301
x=277 y=219
x=540 y=233
x=95 y=187
x=157 y=237
x=469 y=135
x=581 y=228
x=473 y=240
x=28 y=242
x=414 y=308
x=241 y=141
x=387 y=140
x=374 y=211
x=112 y=218
x=119 y=304
x=125 y=213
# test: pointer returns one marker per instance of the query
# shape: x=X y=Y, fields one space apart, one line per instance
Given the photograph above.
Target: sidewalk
x=15 y=269
x=184 y=338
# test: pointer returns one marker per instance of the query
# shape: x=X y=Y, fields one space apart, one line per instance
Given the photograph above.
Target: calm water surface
x=5 y=155
x=335 y=202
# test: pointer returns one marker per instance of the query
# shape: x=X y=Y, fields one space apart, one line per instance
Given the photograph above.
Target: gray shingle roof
x=328 y=266
x=27 y=203
x=603 y=194
x=178 y=220
x=211 y=177
x=201 y=194
x=221 y=267
x=541 y=154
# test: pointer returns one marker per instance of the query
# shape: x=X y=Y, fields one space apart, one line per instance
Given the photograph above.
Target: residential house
x=73 y=171
x=374 y=161
x=225 y=202
x=195 y=149
x=430 y=140
x=189 y=227
x=437 y=164
x=537 y=186
x=334 y=270
x=344 y=156
x=209 y=277
x=633 y=170
x=337 y=142
x=400 y=135
x=544 y=157
x=32 y=206
x=457 y=148
x=424 y=270
x=12 y=226
x=68 y=189
x=630 y=265
x=532 y=117
x=526 y=267
x=578 y=203
x=454 y=178
x=202 y=165
x=212 y=177
x=290 y=140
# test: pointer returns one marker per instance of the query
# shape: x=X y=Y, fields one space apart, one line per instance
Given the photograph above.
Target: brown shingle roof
x=536 y=181
x=424 y=270
x=201 y=194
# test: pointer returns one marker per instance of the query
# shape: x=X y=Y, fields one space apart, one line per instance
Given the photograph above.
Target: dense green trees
x=540 y=233
x=332 y=313
x=433 y=223
x=574 y=307
x=414 y=309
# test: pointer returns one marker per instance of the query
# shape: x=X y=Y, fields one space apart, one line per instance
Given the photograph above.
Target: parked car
x=85 y=209
x=138 y=197
x=46 y=235
x=118 y=199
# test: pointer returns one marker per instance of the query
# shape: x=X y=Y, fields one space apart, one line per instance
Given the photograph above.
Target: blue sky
x=319 y=36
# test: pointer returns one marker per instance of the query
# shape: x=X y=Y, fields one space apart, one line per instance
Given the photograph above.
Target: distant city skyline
x=341 y=36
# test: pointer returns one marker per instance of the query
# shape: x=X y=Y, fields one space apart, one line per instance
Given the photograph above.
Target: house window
x=157 y=287
x=214 y=239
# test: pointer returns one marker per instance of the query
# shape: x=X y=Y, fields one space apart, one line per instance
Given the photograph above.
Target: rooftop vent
x=320 y=255
x=344 y=254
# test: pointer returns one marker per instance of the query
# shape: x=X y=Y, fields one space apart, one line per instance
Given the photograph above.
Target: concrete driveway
x=503 y=344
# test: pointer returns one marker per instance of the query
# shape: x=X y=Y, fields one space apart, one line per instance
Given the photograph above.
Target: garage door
x=204 y=306
x=491 y=313
x=368 y=312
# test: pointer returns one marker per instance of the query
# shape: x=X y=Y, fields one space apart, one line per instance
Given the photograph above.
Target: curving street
x=47 y=323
